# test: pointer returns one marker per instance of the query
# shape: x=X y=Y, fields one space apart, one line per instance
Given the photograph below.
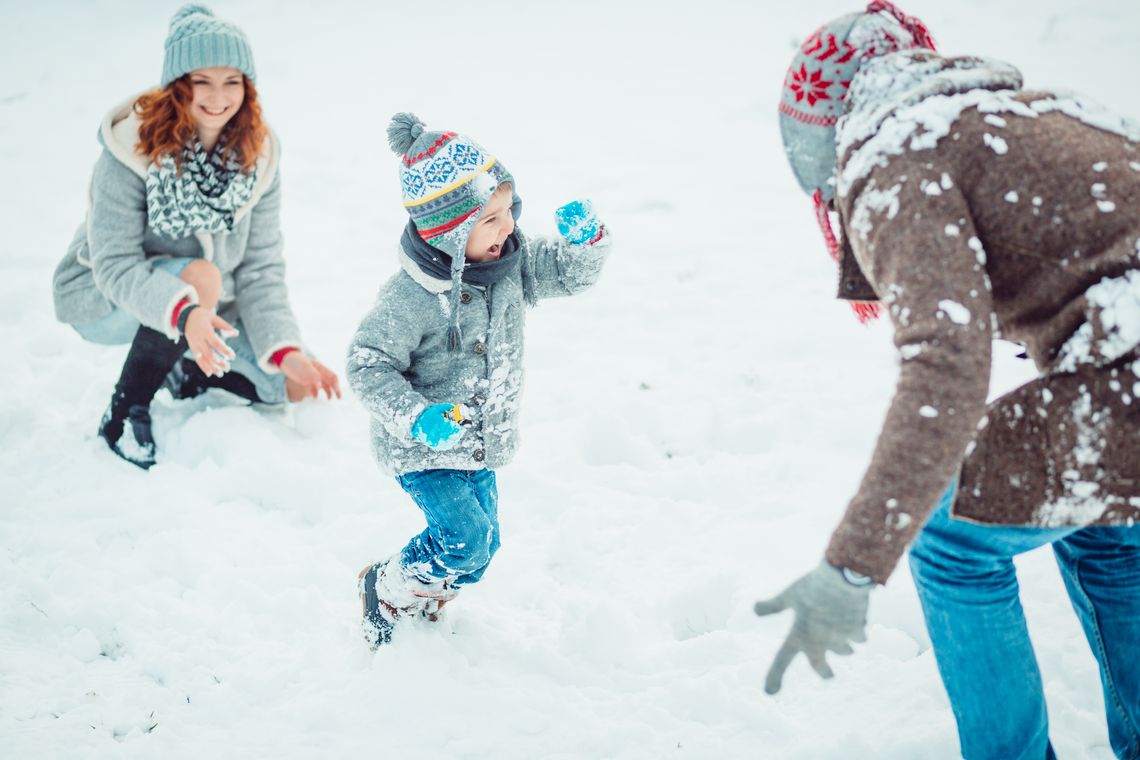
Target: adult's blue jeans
x=968 y=588
x=462 y=534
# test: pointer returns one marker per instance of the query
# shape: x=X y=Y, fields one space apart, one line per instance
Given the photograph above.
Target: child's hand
x=577 y=223
x=440 y=426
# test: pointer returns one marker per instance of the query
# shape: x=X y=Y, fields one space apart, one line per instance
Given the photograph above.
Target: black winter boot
x=187 y=380
x=126 y=423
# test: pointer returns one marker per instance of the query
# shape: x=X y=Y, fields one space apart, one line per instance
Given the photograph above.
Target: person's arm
x=560 y=267
x=380 y=354
x=918 y=248
x=923 y=257
x=116 y=226
x=259 y=285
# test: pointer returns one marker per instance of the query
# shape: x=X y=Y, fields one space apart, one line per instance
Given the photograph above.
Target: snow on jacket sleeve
x=259 y=283
x=115 y=230
x=380 y=354
x=911 y=231
x=564 y=269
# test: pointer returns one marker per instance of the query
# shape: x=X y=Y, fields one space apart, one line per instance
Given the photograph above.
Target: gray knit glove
x=831 y=611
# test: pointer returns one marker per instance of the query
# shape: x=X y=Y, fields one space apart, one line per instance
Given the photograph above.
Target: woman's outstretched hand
x=310 y=376
x=209 y=350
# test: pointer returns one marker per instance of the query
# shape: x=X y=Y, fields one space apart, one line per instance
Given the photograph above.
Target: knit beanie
x=199 y=40
x=814 y=90
x=446 y=179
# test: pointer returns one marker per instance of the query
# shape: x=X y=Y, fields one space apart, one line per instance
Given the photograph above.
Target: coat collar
x=119 y=134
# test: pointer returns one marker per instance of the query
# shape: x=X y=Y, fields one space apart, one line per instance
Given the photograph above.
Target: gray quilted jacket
x=107 y=264
x=399 y=364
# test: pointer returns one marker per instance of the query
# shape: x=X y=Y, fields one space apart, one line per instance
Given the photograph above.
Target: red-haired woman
x=181 y=252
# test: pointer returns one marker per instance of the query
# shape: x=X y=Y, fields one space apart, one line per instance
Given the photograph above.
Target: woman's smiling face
x=218 y=95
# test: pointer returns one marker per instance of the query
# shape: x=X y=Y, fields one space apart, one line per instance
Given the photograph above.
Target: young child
x=438 y=360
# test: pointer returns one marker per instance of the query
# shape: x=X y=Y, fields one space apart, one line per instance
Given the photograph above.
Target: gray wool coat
x=399 y=363
x=108 y=264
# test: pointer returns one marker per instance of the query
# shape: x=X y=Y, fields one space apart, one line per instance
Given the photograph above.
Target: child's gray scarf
x=435 y=263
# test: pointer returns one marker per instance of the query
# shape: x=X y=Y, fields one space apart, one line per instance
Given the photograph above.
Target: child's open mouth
x=495 y=250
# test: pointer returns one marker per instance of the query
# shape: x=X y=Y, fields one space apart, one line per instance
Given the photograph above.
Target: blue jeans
x=968 y=588
x=462 y=511
x=119 y=327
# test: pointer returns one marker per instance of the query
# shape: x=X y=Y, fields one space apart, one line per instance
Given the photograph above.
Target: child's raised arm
x=564 y=268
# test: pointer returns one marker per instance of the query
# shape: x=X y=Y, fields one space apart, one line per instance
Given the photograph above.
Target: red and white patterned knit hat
x=814 y=90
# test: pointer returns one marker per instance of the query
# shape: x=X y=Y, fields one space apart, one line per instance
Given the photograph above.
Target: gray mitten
x=831 y=612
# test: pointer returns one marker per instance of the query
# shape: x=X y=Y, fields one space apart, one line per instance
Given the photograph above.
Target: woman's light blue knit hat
x=199 y=40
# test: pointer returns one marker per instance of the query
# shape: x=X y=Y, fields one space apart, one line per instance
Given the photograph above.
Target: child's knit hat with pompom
x=199 y=40
x=446 y=179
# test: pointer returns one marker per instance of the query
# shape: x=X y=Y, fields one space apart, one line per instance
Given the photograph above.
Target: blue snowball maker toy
x=576 y=222
x=440 y=426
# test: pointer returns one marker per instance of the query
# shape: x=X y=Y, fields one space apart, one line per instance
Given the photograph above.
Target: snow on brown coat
x=976 y=210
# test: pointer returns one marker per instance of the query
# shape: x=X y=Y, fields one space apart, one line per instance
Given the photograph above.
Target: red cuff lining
x=178 y=310
x=280 y=354
x=601 y=234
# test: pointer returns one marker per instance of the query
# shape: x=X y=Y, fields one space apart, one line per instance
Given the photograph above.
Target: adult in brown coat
x=972 y=209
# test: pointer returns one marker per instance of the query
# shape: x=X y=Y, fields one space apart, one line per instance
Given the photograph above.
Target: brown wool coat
x=988 y=242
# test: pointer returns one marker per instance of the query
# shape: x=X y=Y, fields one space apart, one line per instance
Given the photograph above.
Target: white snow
x=208 y=608
x=928 y=411
x=1011 y=196
x=994 y=120
x=978 y=249
x=957 y=313
x=952 y=230
x=996 y=144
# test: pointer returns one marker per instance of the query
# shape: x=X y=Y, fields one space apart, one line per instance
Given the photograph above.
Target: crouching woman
x=181 y=251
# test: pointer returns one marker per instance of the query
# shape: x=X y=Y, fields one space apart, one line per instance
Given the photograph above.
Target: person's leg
x=1101 y=570
x=487 y=497
x=457 y=541
x=966 y=582
x=126 y=424
x=202 y=274
x=245 y=377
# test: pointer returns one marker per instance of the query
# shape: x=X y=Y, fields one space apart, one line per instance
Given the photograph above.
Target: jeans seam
x=1134 y=739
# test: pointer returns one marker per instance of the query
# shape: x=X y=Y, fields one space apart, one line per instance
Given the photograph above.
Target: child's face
x=485 y=243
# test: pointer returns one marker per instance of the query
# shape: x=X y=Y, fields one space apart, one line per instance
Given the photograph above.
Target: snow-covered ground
x=693 y=426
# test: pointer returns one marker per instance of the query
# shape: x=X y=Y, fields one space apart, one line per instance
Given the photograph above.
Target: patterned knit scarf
x=202 y=198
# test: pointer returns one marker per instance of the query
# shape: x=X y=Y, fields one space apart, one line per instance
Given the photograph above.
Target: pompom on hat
x=198 y=40
x=814 y=89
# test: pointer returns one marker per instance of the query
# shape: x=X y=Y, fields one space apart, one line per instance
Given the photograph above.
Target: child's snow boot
x=433 y=609
x=388 y=593
x=126 y=425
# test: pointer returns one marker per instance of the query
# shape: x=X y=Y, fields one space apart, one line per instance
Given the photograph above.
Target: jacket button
x=480 y=348
x=479 y=455
x=849 y=285
x=465 y=297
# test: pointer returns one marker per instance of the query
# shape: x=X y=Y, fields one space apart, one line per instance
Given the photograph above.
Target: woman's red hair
x=167 y=128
